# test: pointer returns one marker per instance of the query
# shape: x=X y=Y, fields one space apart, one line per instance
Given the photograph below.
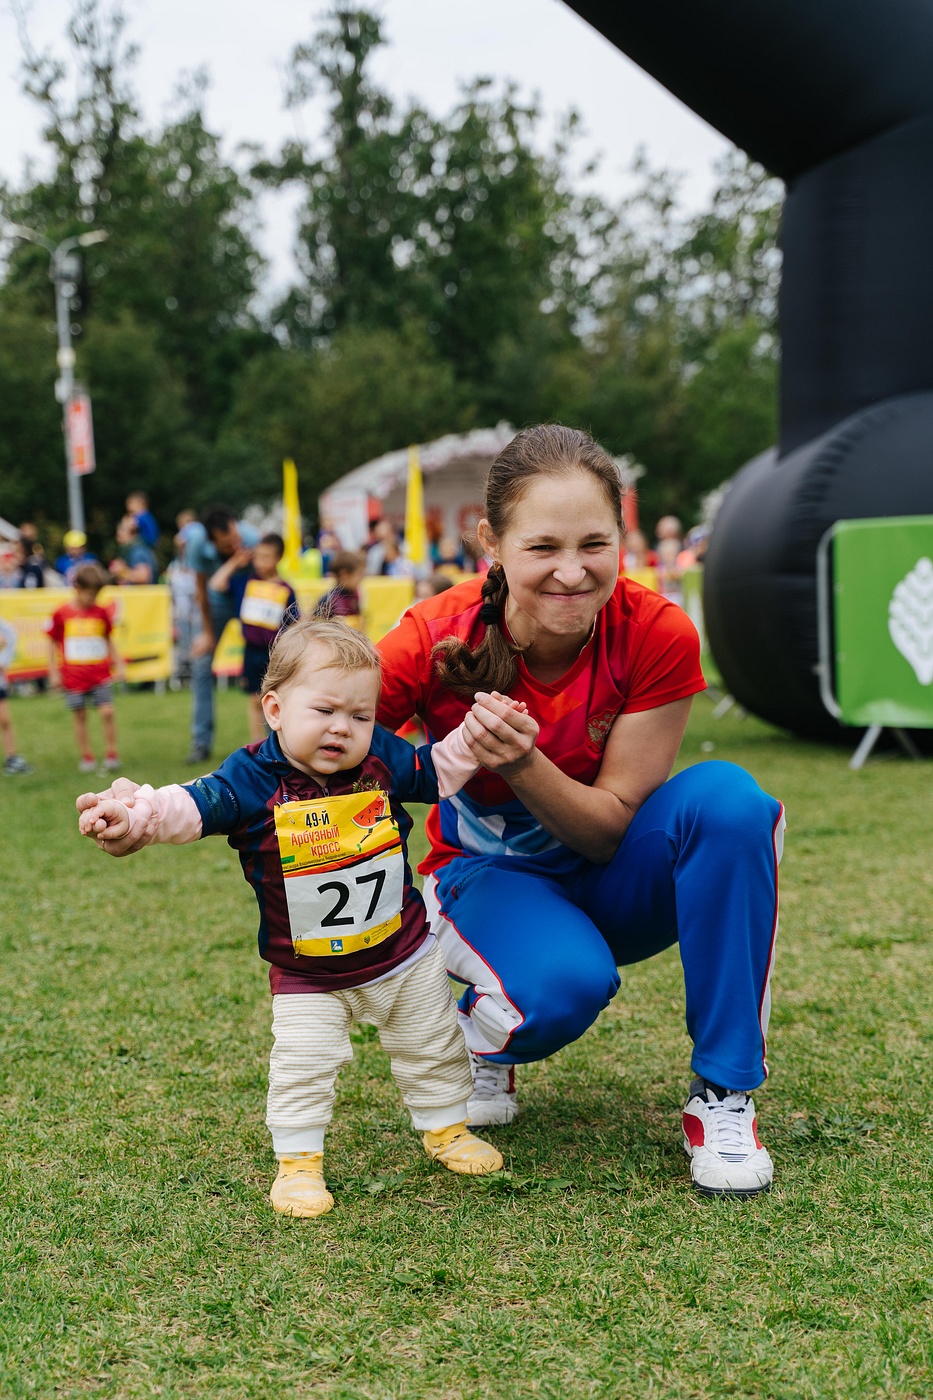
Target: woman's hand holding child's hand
x=501 y=733
x=105 y=817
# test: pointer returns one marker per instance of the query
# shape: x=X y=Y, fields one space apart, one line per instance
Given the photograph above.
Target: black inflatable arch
x=836 y=97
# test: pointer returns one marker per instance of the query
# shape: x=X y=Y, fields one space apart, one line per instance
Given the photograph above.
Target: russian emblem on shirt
x=598 y=727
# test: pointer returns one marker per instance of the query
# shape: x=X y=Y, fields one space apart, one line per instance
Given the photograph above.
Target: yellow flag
x=416 y=535
x=291 y=516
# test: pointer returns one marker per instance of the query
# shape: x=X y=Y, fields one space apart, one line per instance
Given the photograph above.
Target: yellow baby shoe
x=461 y=1152
x=299 y=1188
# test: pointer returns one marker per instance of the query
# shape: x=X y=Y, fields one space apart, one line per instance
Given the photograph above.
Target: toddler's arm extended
x=167 y=814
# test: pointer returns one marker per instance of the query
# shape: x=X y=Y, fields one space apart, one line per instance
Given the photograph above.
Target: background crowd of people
x=219 y=567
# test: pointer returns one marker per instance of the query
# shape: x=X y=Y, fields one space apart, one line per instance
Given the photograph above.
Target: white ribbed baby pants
x=416 y=1017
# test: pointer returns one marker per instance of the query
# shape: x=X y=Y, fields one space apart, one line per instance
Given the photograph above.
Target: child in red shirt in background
x=85 y=661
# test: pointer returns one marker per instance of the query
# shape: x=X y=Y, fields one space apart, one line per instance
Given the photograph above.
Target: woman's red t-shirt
x=644 y=652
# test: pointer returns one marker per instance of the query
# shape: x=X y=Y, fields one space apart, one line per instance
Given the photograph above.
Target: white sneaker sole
x=485 y=1112
x=714 y=1180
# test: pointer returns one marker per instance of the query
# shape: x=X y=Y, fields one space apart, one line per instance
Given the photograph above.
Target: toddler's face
x=324 y=716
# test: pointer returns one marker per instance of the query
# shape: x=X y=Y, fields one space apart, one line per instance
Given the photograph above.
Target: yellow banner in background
x=142 y=624
x=142 y=628
x=383 y=601
x=291 y=516
x=416 y=532
x=228 y=654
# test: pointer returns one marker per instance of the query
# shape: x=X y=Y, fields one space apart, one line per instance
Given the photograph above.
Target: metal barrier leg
x=906 y=743
x=869 y=740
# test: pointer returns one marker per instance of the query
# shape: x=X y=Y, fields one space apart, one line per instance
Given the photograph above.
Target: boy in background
x=84 y=663
x=265 y=603
x=137 y=505
x=343 y=600
x=13 y=764
x=74 y=553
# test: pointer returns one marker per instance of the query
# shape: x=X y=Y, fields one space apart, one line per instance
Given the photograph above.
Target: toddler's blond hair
x=347 y=648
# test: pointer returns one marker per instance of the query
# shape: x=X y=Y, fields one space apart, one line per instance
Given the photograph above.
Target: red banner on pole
x=79 y=435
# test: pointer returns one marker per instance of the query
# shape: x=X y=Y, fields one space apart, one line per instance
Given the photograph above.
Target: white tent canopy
x=454 y=470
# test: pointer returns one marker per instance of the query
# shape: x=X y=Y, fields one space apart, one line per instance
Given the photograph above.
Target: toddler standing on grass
x=85 y=661
x=315 y=815
x=265 y=602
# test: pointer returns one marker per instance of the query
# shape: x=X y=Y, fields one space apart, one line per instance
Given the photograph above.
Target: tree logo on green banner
x=910 y=619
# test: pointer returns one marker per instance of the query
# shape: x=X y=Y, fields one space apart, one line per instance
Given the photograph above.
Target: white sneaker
x=493 y=1099
x=87 y=765
x=721 y=1140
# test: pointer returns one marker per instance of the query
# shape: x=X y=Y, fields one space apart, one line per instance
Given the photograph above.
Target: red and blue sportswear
x=328 y=862
x=644 y=652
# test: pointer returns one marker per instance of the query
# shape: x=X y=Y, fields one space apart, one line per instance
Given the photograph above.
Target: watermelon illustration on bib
x=344 y=872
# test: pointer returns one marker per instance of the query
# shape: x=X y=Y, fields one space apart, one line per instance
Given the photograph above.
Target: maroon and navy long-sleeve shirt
x=328 y=862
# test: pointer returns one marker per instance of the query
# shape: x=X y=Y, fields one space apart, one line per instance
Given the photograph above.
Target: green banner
x=883 y=621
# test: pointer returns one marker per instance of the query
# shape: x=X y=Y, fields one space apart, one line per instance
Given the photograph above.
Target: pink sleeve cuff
x=454 y=762
x=167 y=815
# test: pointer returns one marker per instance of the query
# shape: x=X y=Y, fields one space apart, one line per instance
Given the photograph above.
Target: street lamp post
x=63 y=271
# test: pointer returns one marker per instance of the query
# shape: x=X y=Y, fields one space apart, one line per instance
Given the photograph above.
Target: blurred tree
x=459 y=225
x=451 y=274
x=32 y=454
x=362 y=394
x=179 y=264
x=682 y=356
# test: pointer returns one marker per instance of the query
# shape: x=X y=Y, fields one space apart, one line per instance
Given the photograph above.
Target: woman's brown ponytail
x=546 y=450
x=491 y=666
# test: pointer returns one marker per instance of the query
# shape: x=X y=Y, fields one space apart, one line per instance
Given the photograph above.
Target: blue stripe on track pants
x=697 y=867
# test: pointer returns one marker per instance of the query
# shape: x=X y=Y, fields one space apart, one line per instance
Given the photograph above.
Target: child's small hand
x=102 y=819
x=518 y=705
x=501 y=733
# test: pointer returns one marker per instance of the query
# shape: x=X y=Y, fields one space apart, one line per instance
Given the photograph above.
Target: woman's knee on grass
x=557 y=1013
x=725 y=802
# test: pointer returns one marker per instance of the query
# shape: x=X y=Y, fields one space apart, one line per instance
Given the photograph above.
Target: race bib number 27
x=344 y=872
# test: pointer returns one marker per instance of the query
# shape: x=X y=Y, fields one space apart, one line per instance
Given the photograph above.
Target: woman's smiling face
x=560 y=553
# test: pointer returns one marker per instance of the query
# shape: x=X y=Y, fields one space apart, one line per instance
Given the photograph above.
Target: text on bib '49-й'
x=344 y=872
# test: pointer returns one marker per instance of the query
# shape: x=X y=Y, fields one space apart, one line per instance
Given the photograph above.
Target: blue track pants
x=540 y=951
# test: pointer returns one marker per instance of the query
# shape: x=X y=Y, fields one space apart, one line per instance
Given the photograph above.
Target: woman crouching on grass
x=577 y=852
x=315 y=814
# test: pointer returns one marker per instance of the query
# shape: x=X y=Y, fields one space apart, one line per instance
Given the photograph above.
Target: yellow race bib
x=264 y=604
x=344 y=872
x=85 y=641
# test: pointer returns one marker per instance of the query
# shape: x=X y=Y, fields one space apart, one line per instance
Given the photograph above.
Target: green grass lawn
x=140 y=1254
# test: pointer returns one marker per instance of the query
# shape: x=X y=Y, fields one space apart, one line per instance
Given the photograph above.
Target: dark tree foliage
x=163 y=317
x=459 y=224
x=450 y=275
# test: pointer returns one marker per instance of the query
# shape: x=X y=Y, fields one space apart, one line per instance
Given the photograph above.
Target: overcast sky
x=434 y=46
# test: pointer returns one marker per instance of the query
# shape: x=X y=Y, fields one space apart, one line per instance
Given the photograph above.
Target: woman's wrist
x=521 y=769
